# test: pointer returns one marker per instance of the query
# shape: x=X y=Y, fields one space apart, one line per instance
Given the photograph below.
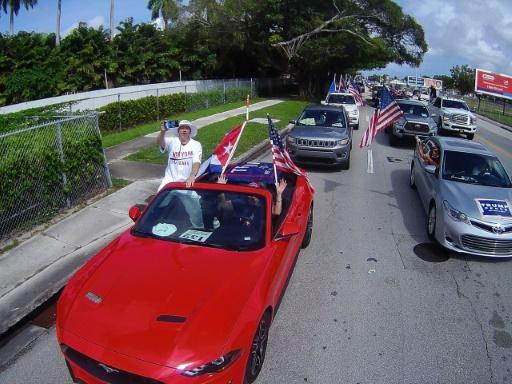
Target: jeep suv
x=453 y=115
x=416 y=121
x=321 y=135
x=347 y=101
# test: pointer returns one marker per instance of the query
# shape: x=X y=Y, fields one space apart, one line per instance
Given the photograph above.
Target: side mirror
x=323 y=102
x=134 y=212
x=293 y=121
x=430 y=169
x=288 y=230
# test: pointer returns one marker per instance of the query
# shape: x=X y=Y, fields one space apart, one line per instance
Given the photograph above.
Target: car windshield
x=324 y=118
x=455 y=104
x=228 y=220
x=474 y=168
x=341 y=99
x=413 y=110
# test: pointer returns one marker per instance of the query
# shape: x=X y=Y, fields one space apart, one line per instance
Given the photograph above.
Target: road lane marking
x=495 y=147
x=369 y=169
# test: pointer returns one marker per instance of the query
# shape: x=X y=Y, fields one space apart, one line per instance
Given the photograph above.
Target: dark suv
x=321 y=135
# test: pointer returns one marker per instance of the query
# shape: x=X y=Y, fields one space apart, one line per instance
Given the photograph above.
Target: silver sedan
x=467 y=198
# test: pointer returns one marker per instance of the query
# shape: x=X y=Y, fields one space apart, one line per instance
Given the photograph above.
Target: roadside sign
x=493 y=84
x=438 y=84
x=414 y=81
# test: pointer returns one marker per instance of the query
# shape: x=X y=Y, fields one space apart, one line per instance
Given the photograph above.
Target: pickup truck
x=453 y=115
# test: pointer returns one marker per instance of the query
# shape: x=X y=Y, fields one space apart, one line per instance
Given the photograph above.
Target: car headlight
x=446 y=117
x=355 y=112
x=217 y=365
x=291 y=139
x=455 y=213
x=343 y=142
x=472 y=120
x=399 y=123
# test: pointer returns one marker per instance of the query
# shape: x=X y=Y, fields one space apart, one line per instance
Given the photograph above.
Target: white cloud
x=95 y=23
x=477 y=31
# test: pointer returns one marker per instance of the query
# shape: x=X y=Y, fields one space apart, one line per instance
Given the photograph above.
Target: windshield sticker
x=247 y=238
x=491 y=207
x=163 y=229
x=193 y=234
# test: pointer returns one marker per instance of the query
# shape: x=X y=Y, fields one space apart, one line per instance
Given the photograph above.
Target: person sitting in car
x=428 y=151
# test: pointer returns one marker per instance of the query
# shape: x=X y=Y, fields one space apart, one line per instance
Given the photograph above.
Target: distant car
x=467 y=198
x=167 y=302
x=376 y=93
x=321 y=135
x=416 y=121
x=453 y=115
x=347 y=101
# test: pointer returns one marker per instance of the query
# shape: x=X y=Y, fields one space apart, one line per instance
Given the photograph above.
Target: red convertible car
x=187 y=295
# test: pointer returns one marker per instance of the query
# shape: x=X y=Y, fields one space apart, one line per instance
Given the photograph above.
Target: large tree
x=167 y=9
x=463 y=78
x=13 y=7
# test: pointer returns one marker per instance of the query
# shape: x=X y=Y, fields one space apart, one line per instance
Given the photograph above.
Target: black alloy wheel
x=412 y=181
x=258 y=350
x=309 y=230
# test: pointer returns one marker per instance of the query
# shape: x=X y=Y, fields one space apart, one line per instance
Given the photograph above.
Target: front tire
x=470 y=136
x=431 y=222
x=309 y=230
x=356 y=126
x=258 y=350
x=346 y=164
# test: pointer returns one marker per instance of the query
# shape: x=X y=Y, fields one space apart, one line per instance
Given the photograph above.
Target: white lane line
x=369 y=169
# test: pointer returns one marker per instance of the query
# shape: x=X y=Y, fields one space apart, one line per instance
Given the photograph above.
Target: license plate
x=461 y=130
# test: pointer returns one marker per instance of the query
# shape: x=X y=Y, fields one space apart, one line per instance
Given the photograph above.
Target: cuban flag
x=332 y=88
x=223 y=152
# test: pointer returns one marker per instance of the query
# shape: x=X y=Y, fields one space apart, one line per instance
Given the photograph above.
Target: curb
x=497 y=123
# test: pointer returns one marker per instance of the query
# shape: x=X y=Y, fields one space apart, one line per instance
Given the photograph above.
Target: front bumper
x=469 y=239
x=403 y=132
x=92 y=364
x=316 y=155
x=455 y=127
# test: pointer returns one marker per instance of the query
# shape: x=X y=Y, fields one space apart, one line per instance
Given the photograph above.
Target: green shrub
x=124 y=115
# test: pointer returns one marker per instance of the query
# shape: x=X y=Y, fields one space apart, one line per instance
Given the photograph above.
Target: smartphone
x=168 y=124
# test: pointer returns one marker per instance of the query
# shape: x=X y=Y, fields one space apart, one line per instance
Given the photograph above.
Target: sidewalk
x=38 y=268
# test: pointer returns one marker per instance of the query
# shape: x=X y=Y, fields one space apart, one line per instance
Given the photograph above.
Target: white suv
x=453 y=115
x=347 y=101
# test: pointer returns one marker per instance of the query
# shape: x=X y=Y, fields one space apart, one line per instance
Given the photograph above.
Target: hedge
x=124 y=115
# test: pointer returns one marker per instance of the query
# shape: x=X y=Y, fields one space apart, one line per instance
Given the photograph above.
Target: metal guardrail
x=47 y=167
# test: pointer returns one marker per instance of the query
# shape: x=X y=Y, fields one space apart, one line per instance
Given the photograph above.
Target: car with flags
x=453 y=116
x=321 y=135
x=169 y=301
x=415 y=121
x=467 y=198
x=347 y=101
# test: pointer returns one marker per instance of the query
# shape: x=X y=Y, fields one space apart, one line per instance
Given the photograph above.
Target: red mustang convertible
x=186 y=295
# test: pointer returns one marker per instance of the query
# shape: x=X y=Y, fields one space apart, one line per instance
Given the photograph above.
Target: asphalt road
x=370 y=300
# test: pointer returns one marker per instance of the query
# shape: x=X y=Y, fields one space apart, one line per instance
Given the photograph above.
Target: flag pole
x=247 y=103
x=234 y=149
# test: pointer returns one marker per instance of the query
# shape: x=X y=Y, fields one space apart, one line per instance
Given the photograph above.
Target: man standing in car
x=433 y=93
x=182 y=165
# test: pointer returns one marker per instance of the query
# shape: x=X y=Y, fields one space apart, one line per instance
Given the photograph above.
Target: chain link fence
x=48 y=167
x=497 y=109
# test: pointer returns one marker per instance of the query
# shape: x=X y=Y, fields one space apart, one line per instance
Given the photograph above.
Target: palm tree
x=57 y=40
x=167 y=9
x=14 y=8
x=111 y=19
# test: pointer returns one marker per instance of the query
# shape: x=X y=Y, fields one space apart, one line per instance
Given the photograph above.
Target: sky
x=458 y=32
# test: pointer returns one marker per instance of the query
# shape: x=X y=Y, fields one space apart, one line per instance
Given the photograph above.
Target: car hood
x=458 y=111
x=348 y=107
x=418 y=119
x=464 y=197
x=165 y=303
x=315 y=132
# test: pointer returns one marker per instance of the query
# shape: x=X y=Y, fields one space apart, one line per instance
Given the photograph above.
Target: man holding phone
x=183 y=162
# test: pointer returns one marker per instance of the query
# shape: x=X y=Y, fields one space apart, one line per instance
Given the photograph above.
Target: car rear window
x=341 y=99
x=455 y=104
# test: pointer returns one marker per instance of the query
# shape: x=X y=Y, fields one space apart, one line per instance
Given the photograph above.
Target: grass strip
x=210 y=135
x=121 y=137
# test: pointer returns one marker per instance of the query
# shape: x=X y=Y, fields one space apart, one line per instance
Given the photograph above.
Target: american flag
x=386 y=114
x=342 y=86
x=280 y=155
x=356 y=94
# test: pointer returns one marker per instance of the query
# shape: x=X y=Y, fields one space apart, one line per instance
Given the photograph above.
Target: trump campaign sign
x=493 y=84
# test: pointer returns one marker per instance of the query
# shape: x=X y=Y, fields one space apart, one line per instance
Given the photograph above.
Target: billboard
x=493 y=84
x=424 y=82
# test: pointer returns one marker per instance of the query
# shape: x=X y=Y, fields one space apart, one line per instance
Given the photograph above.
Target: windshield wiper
x=143 y=234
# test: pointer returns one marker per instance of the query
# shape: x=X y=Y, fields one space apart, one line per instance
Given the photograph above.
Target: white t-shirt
x=181 y=158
